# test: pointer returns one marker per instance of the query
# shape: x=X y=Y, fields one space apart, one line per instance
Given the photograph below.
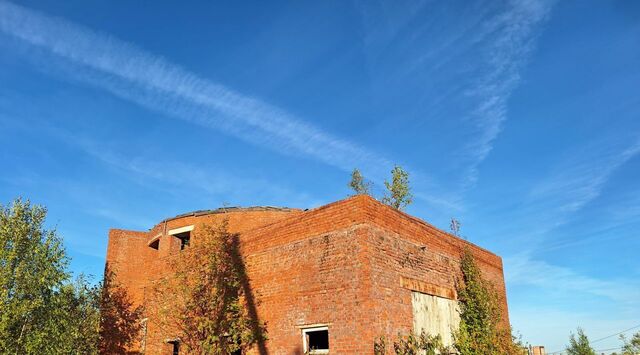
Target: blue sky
x=519 y=118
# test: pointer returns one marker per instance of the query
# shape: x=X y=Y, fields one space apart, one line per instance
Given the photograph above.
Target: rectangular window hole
x=316 y=340
x=175 y=347
x=185 y=239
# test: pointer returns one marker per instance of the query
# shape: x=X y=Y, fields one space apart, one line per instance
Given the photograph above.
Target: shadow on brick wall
x=120 y=320
x=257 y=327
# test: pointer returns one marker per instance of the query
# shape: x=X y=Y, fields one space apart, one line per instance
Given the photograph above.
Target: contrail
x=151 y=81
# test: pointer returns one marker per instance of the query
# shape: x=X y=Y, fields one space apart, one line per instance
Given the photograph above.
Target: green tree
x=481 y=330
x=359 y=184
x=32 y=272
x=455 y=227
x=631 y=346
x=76 y=318
x=399 y=192
x=210 y=310
x=423 y=344
x=579 y=345
x=43 y=311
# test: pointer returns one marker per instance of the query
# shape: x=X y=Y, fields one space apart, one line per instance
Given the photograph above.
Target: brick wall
x=350 y=265
x=314 y=280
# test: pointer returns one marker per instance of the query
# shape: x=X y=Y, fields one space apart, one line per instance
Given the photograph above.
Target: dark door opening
x=176 y=347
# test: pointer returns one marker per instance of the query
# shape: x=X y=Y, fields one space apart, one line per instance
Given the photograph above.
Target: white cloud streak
x=154 y=82
x=524 y=270
x=560 y=284
x=482 y=51
x=512 y=36
x=195 y=181
x=580 y=180
x=575 y=181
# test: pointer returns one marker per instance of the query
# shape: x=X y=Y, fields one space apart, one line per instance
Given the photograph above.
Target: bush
x=423 y=344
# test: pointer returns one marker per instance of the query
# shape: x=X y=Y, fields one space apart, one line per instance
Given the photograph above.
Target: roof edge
x=370 y=200
x=229 y=209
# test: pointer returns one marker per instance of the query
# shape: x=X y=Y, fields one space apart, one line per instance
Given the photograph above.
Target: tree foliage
x=481 y=330
x=399 y=192
x=423 y=344
x=41 y=311
x=454 y=226
x=208 y=311
x=32 y=270
x=76 y=318
x=579 y=345
x=358 y=183
x=631 y=346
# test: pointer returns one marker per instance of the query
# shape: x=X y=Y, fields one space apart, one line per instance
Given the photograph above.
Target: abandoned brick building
x=334 y=278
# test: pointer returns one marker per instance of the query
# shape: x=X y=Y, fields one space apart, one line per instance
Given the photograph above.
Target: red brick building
x=334 y=278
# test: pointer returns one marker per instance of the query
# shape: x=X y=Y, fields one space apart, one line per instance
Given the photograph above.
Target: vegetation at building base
x=211 y=310
x=423 y=344
x=579 y=344
x=398 y=193
x=481 y=330
x=42 y=309
x=75 y=320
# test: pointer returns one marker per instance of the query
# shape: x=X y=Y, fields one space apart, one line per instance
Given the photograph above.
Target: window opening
x=176 y=347
x=316 y=340
x=185 y=239
x=155 y=244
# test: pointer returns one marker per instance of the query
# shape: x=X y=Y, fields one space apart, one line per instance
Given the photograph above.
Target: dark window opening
x=317 y=340
x=155 y=244
x=176 y=347
x=185 y=239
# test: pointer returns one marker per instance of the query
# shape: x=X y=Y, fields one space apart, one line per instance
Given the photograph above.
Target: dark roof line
x=199 y=213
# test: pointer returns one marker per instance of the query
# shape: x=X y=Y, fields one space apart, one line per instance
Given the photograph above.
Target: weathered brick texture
x=351 y=265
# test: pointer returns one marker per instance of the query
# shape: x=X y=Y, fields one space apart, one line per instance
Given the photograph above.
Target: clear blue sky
x=519 y=118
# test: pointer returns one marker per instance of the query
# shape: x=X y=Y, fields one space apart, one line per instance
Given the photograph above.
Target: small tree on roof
x=359 y=184
x=399 y=192
x=455 y=227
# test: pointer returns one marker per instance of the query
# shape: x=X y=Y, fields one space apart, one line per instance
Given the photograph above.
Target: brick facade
x=350 y=265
